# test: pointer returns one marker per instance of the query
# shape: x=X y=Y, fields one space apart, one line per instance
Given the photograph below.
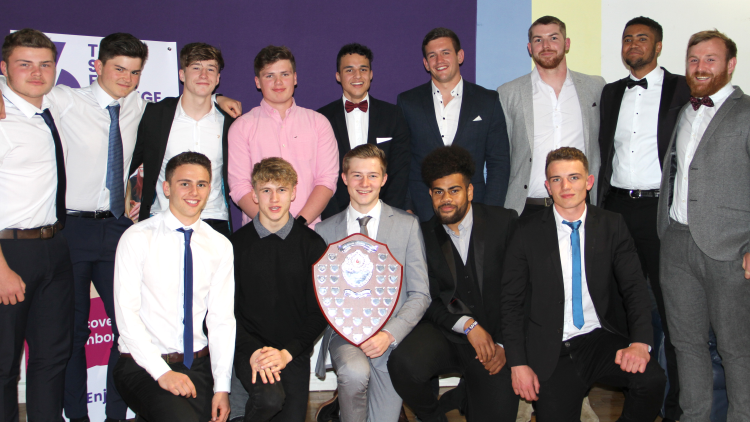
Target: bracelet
x=471 y=327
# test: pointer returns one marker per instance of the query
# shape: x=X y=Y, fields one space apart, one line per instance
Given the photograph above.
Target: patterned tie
x=187 y=322
x=349 y=106
x=698 y=102
x=363 y=224
x=575 y=244
x=60 y=160
x=114 y=164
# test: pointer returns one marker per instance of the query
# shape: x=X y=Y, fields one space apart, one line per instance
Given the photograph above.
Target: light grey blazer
x=719 y=182
x=401 y=232
x=516 y=98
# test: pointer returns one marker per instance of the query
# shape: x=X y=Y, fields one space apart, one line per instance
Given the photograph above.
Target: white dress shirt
x=447 y=115
x=636 y=161
x=149 y=290
x=590 y=319
x=357 y=123
x=557 y=123
x=352 y=225
x=202 y=136
x=28 y=166
x=690 y=129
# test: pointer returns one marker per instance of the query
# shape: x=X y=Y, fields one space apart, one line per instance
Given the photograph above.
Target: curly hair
x=446 y=161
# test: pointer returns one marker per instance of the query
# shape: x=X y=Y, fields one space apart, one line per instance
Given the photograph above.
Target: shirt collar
x=654 y=78
x=353 y=215
x=559 y=219
x=173 y=223
x=722 y=94
x=213 y=113
x=344 y=99
x=273 y=112
x=264 y=232
x=29 y=110
x=101 y=96
x=465 y=225
x=457 y=91
x=536 y=78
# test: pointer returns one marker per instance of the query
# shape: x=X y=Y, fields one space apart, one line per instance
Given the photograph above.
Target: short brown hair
x=273 y=169
x=187 y=157
x=440 y=33
x=197 y=52
x=271 y=55
x=365 y=151
x=27 y=38
x=548 y=20
x=567 y=154
x=699 y=37
x=122 y=44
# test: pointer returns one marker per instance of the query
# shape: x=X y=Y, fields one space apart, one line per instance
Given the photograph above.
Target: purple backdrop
x=314 y=31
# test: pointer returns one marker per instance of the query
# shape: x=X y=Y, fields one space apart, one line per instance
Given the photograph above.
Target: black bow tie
x=643 y=83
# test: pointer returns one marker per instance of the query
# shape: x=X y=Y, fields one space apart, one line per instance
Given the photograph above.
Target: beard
x=458 y=214
x=717 y=82
x=642 y=61
x=549 y=63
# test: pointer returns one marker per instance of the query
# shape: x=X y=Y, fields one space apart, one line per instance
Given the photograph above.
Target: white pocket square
x=380 y=140
x=478 y=119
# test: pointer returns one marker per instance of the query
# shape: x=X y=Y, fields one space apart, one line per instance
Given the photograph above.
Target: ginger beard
x=700 y=89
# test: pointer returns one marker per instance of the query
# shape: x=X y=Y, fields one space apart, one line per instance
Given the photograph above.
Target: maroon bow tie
x=697 y=102
x=349 y=106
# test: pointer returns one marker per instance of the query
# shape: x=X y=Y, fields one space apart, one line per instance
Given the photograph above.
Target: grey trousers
x=365 y=392
x=700 y=292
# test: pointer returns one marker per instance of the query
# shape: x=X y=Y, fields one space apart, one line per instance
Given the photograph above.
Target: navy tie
x=575 y=245
x=187 y=322
x=114 y=164
x=60 y=160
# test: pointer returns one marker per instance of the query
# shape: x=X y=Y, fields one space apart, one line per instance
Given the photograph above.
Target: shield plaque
x=357 y=283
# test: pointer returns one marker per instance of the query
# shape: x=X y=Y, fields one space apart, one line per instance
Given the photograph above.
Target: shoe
x=587 y=413
x=454 y=399
x=402 y=416
x=329 y=411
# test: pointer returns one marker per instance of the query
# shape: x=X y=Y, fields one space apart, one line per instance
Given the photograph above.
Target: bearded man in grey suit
x=704 y=225
x=549 y=108
x=364 y=385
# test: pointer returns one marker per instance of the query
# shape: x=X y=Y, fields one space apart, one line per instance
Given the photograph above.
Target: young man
x=173 y=271
x=191 y=122
x=280 y=128
x=465 y=244
x=364 y=386
x=702 y=224
x=562 y=267
x=358 y=118
x=638 y=115
x=448 y=110
x=36 y=277
x=278 y=317
x=549 y=108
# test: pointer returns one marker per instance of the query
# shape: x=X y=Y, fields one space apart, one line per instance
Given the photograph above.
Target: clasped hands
x=491 y=355
x=268 y=362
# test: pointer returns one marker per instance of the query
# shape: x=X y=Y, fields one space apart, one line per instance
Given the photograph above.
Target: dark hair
x=652 y=24
x=187 y=157
x=699 y=37
x=567 y=154
x=272 y=54
x=364 y=151
x=27 y=38
x=548 y=20
x=353 y=48
x=440 y=33
x=122 y=44
x=445 y=161
x=198 y=51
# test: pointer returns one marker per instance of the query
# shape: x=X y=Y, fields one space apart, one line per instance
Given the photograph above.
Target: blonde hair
x=364 y=151
x=274 y=169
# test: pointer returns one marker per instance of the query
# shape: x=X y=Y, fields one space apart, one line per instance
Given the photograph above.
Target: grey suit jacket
x=401 y=232
x=516 y=98
x=719 y=182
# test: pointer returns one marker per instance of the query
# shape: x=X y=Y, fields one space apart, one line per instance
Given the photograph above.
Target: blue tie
x=60 y=160
x=187 y=322
x=575 y=245
x=114 y=163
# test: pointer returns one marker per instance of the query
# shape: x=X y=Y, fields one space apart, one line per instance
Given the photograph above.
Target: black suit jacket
x=489 y=236
x=151 y=145
x=674 y=94
x=533 y=299
x=386 y=121
x=481 y=130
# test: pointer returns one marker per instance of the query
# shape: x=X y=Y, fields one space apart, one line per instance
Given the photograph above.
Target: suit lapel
x=721 y=113
x=611 y=121
x=340 y=225
x=428 y=108
x=478 y=233
x=665 y=103
x=549 y=231
x=527 y=102
x=385 y=227
x=590 y=248
x=340 y=122
x=466 y=111
x=372 y=116
x=580 y=86
x=445 y=245
x=167 y=118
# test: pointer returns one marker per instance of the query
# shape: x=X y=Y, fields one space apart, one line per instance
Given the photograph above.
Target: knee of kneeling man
x=354 y=375
x=271 y=397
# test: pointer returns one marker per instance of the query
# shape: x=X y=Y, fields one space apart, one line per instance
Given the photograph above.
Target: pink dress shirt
x=304 y=138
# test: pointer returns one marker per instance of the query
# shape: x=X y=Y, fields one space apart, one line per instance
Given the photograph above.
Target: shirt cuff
x=223 y=385
x=649 y=347
x=395 y=342
x=459 y=325
x=500 y=345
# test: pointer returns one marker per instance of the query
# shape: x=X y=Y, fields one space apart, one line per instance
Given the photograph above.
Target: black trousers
x=284 y=401
x=92 y=250
x=590 y=358
x=144 y=395
x=45 y=320
x=640 y=217
x=426 y=353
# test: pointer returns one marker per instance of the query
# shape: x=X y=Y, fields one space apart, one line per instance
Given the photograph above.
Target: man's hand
x=267 y=374
x=177 y=384
x=135 y=210
x=230 y=106
x=482 y=342
x=273 y=359
x=746 y=265
x=634 y=358
x=220 y=407
x=12 y=288
x=376 y=345
x=525 y=382
x=497 y=362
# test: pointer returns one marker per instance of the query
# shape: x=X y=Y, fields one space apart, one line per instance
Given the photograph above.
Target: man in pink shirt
x=280 y=128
